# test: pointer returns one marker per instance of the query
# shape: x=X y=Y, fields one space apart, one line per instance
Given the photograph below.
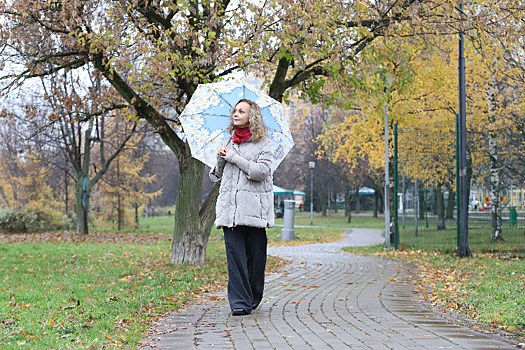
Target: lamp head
x=389 y=79
x=311 y=164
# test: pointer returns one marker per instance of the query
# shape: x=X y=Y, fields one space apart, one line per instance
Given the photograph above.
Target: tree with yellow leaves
x=122 y=191
x=24 y=186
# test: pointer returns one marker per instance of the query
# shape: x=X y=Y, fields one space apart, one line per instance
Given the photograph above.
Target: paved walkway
x=329 y=299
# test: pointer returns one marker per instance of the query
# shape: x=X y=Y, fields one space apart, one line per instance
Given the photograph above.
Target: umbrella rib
x=208 y=141
x=217 y=115
x=274 y=129
x=222 y=98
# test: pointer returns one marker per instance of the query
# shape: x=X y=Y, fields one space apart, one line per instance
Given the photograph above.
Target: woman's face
x=241 y=115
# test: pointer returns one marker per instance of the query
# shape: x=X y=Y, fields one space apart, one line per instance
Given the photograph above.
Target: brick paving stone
x=327 y=299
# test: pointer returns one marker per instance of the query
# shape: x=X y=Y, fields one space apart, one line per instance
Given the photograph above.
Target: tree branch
x=143 y=108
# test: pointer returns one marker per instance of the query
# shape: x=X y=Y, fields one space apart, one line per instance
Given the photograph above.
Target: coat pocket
x=249 y=204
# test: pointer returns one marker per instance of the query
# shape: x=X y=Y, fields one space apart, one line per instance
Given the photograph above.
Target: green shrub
x=27 y=220
x=17 y=220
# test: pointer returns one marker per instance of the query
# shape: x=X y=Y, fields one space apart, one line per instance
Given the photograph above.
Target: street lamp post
x=389 y=80
x=312 y=166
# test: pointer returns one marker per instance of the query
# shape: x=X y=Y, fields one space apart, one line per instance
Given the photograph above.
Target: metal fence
x=425 y=182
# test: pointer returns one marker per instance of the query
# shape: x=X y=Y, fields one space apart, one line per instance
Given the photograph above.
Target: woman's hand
x=223 y=151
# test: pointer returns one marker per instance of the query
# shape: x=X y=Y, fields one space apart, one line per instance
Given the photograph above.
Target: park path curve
x=328 y=299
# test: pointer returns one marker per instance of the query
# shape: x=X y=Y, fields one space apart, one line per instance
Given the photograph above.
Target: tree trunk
x=323 y=201
x=451 y=202
x=347 y=201
x=357 y=200
x=82 y=206
x=435 y=202
x=192 y=224
x=137 y=222
x=119 y=213
x=422 y=203
x=348 y=204
x=440 y=207
x=376 y=203
x=66 y=185
x=495 y=182
x=119 y=208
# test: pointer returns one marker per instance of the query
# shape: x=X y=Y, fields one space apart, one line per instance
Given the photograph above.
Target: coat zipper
x=236 y=191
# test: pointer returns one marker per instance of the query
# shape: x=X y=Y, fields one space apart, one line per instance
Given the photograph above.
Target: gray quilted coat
x=246 y=191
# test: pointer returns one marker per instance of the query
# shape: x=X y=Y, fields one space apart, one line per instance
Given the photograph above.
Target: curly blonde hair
x=257 y=127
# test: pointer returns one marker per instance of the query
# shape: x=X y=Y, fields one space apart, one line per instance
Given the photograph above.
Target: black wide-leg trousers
x=246 y=256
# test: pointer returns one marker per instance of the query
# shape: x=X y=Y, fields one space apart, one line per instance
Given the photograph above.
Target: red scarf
x=241 y=135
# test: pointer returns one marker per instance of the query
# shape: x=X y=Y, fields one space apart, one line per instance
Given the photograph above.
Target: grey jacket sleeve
x=257 y=171
x=216 y=171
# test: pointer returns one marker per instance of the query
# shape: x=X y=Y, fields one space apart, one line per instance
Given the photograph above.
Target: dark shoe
x=239 y=312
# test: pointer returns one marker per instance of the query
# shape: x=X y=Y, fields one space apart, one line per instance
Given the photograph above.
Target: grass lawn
x=87 y=294
x=62 y=291
x=489 y=288
x=338 y=220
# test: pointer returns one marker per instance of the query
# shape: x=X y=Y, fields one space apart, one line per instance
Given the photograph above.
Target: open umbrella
x=207 y=115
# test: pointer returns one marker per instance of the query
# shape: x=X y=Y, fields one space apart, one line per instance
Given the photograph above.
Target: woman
x=245 y=204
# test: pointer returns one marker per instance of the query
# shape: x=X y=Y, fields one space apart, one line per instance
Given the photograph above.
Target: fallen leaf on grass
x=67 y=237
x=171 y=298
x=216 y=298
x=52 y=321
x=70 y=306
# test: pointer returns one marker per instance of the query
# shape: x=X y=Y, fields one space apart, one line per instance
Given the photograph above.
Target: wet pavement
x=327 y=299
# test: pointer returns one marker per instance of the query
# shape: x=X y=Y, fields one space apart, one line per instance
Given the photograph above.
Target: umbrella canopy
x=207 y=115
